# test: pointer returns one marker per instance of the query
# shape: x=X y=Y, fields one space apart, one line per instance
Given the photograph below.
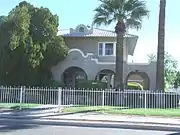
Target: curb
x=111 y=121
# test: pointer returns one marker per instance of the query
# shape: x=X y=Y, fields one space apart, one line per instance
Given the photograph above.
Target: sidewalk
x=34 y=112
x=116 y=119
x=52 y=114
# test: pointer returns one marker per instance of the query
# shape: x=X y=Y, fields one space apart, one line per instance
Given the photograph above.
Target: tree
x=29 y=45
x=3 y=19
x=127 y=14
x=170 y=67
x=177 y=80
x=160 y=50
x=152 y=57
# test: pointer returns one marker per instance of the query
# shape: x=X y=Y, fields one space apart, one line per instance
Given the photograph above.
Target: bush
x=54 y=83
x=134 y=86
x=90 y=84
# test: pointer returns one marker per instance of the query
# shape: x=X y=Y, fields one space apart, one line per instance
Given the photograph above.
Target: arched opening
x=107 y=76
x=81 y=29
x=72 y=75
x=139 y=77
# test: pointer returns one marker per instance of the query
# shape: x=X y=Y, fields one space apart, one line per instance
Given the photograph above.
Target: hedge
x=91 y=84
x=134 y=86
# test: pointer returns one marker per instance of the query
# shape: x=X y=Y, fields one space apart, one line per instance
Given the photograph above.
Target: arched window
x=81 y=29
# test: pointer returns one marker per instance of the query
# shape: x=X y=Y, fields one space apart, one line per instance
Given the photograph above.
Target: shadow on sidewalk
x=30 y=113
x=174 y=133
x=9 y=124
x=6 y=126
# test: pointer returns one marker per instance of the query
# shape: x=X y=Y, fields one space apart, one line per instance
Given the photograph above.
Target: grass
x=89 y=108
x=149 y=112
x=16 y=105
x=125 y=111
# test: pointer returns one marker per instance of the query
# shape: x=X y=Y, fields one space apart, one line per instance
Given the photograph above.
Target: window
x=81 y=29
x=106 y=49
x=109 y=48
x=100 y=49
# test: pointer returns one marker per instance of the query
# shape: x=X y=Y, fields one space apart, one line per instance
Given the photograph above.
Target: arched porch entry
x=107 y=76
x=72 y=75
x=139 y=77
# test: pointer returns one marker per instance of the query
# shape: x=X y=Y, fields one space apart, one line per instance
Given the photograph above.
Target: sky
x=74 y=12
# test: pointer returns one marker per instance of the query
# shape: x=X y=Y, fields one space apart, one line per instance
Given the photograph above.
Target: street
x=35 y=129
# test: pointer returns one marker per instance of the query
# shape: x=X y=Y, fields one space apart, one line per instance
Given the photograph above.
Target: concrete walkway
x=120 y=118
x=40 y=111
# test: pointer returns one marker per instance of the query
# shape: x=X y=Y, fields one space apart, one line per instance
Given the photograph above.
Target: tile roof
x=96 y=32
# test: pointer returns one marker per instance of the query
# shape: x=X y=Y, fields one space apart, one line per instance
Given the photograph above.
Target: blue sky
x=74 y=12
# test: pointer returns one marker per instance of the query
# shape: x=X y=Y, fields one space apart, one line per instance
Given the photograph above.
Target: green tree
x=160 y=51
x=126 y=14
x=3 y=19
x=177 y=80
x=170 y=66
x=29 y=45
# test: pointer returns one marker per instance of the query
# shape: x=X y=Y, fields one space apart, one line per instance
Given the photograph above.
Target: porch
x=72 y=75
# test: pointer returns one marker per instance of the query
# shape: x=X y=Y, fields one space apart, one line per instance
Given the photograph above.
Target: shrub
x=57 y=84
x=91 y=84
x=134 y=86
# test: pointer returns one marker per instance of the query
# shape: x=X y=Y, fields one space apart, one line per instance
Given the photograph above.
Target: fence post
x=103 y=98
x=21 y=98
x=145 y=101
x=59 y=98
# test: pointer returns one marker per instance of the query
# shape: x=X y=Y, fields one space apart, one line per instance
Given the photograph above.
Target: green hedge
x=134 y=86
x=91 y=84
x=57 y=84
x=102 y=85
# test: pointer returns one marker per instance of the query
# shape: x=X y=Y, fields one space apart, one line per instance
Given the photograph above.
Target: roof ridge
x=62 y=29
x=114 y=32
x=104 y=30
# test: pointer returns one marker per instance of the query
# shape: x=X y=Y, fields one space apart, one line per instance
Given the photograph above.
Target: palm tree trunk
x=2 y=63
x=160 y=51
x=119 y=79
x=119 y=62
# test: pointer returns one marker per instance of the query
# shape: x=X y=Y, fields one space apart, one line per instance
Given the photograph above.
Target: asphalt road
x=20 y=129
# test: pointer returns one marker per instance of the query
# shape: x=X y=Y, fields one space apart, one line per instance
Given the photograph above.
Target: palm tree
x=160 y=51
x=126 y=14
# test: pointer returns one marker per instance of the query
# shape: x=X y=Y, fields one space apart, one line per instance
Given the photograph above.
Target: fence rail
x=89 y=98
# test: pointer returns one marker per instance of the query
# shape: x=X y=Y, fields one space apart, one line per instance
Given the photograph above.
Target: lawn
x=17 y=105
x=89 y=108
x=125 y=111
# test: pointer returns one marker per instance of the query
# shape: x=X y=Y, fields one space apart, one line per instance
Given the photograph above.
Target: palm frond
x=133 y=24
x=107 y=12
x=136 y=10
x=103 y=15
x=131 y=12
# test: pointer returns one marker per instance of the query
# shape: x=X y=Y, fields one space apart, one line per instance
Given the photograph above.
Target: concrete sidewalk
x=52 y=114
x=35 y=112
x=117 y=118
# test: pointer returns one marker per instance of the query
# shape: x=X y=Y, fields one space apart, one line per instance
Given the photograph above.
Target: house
x=92 y=57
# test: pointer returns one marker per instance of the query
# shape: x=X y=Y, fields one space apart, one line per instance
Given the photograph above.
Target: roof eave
x=126 y=36
x=132 y=45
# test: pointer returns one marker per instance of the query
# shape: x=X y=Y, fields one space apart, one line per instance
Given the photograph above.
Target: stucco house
x=92 y=57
